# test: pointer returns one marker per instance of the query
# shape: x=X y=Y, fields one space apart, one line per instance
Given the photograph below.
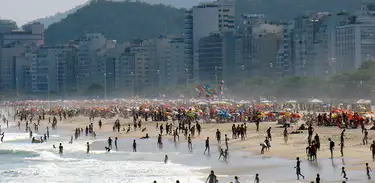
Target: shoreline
x=355 y=153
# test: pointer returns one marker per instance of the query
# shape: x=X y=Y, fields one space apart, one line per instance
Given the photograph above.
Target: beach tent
x=363 y=101
x=219 y=102
x=202 y=103
x=291 y=101
x=244 y=102
x=265 y=102
x=316 y=101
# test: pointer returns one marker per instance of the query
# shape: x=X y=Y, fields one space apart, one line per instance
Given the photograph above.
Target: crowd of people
x=182 y=119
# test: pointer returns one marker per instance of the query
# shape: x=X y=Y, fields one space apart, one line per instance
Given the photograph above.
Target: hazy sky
x=23 y=11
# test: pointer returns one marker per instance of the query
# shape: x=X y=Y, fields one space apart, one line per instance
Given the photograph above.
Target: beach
x=42 y=162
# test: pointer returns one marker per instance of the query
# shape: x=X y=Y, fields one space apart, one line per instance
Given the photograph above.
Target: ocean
x=22 y=161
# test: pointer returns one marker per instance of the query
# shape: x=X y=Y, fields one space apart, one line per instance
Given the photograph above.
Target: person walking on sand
x=286 y=135
x=343 y=173
x=342 y=149
x=211 y=178
x=207 y=146
x=218 y=136
x=298 y=169
x=372 y=149
x=256 y=180
x=269 y=134
x=365 y=137
x=368 y=169
x=226 y=140
x=331 y=146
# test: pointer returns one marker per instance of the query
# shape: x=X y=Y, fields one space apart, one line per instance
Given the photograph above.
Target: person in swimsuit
x=211 y=178
x=298 y=169
x=343 y=173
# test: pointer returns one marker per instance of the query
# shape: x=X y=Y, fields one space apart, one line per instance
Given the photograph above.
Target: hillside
x=47 y=21
x=117 y=20
x=129 y=19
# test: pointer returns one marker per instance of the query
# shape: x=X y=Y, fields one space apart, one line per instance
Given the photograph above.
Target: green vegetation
x=117 y=20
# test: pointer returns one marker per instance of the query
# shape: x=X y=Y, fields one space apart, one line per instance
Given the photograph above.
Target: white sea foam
x=77 y=166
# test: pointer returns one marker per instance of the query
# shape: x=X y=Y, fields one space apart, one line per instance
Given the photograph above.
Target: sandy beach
x=355 y=153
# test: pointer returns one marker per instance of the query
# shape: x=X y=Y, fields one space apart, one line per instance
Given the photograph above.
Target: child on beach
x=343 y=173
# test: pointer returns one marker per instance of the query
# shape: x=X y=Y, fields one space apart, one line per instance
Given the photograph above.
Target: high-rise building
x=54 y=69
x=30 y=34
x=216 y=57
x=202 y=20
x=355 y=41
x=90 y=67
x=308 y=45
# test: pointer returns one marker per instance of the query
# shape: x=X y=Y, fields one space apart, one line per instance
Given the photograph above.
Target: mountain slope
x=117 y=20
x=47 y=21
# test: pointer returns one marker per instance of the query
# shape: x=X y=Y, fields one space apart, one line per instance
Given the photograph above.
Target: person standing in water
x=211 y=178
x=166 y=159
x=109 y=143
x=116 y=143
x=343 y=173
x=298 y=169
x=317 y=180
x=88 y=147
x=331 y=146
x=207 y=146
x=61 y=149
x=368 y=169
x=134 y=146
x=190 y=144
x=2 y=137
x=256 y=180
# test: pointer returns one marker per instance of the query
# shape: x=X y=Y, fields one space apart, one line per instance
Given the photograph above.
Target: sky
x=23 y=11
